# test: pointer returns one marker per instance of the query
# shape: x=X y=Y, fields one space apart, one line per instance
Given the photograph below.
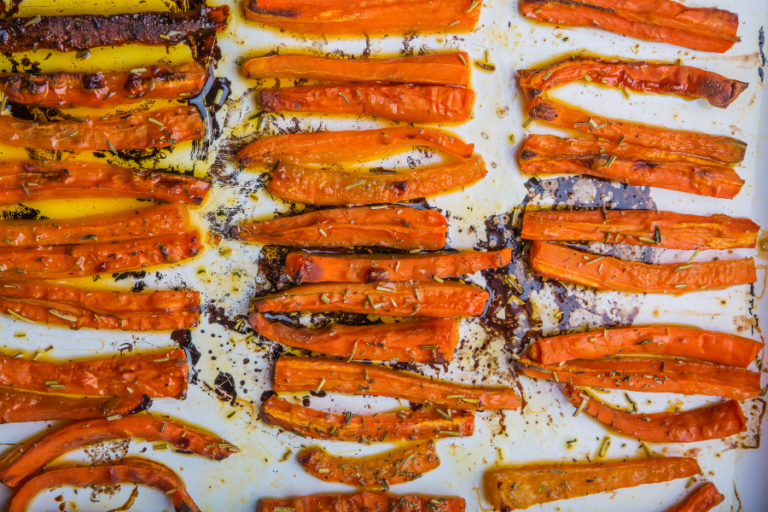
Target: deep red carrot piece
x=704 y=499
x=363 y=501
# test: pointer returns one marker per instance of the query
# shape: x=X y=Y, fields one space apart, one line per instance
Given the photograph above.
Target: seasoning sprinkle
x=320 y=386
x=355 y=184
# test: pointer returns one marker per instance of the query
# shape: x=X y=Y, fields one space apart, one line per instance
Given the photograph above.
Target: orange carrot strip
x=704 y=499
x=397 y=227
x=406 y=103
x=670 y=340
x=339 y=187
x=349 y=146
x=424 y=341
x=437 y=69
x=363 y=501
x=434 y=300
x=405 y=425
x=608 y=273
x=302 y=374
x=525 y=486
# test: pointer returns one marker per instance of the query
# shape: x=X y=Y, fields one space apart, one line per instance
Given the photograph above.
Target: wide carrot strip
x=26 y=459
x=608 y=273
x=364 y=17
x=664 y=21
x=363 y=501
x=104 y=89
x=406 y=103
x=638 y=227
x=423 y=341
x=525 y=486
x=131 y=131
x=349 y=146
x=405 y=425
x=651 y=375
x=330 y=187
x=704 y=499
x=302 y=374
x=396 y=227
x=155 y=375
x=129 y=470
x=398 y=465
x=435 y=300
x=714 y=147
x=670 y=340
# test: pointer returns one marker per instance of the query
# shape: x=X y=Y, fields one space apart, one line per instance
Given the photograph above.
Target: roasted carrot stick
x=155 y=375
x=525 y=486
x=406 y=103
x=363 y=501
x=405 y=425
x=670 y=340
x=45 y=179
x=329 y=187
x=435 y=300
x=664 y=21
x=26 y=459
x=130 y=470
x=349 y=146
x=651 y=375
x=424 y=341
x=704 y=499
x=107 y=89
x=436 y=69
x=367 y=17
x=395 y=466
x=301 y=374
x=306 y=267
x=19 y=406
x=133 y=131
x=638 y=227
x=713 y=147
x=397 y=227
x=608 y=273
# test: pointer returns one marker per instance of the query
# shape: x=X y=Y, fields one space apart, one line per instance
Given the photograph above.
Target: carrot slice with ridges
x=378 y=501
x=704 y=499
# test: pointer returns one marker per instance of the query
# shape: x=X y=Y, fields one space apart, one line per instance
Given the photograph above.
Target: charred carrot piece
x=44 y=179
x=406 y=103
x=663 y=21
x=651 y=375
x=301 y=374
x=329 y=187
x=397 y=227
x=26 y=459
x=154 y=375
x=363 y=501
x=434 y=300
x=670 y=340
x=525 y=486
x=306 y=267
x=107 y=89
x=349 y=146
x=704 y=499
x=405 y=425
x=424 y=341
x=711 y=422
x=608 y=273
x=399 y=465
x=130 y=470
x=713 y=147
x=132 y=131
x=361 y=17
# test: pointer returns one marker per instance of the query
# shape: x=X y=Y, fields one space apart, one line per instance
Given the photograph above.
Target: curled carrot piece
x=302 y=374
x=638 y=227
x=378 y=501
x=434 y=300
x=525 y=486
x=664 y=21
x=349 y=146
x=399 y=465
x=670 y=340
x=105 y=89
x=405 y=425
x=704 y=499
x=608 y=273
x=26 y=459
x=424 y=341
x=406 y=103
x=330 y=187
x=397 y=227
